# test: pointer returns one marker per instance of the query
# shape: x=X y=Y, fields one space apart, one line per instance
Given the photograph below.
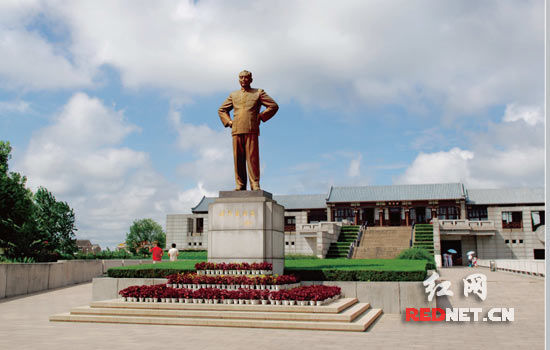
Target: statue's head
x=245 y=79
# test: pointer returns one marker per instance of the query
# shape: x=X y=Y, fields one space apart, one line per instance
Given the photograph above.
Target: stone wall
x=20 y=279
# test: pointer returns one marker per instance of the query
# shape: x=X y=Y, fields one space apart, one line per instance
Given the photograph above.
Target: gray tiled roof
x=302 y=201
x=396 y=192
x=506 y=196
x=299 y=201
x=202 y=207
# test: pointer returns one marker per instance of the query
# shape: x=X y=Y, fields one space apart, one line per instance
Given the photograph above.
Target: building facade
x=495 y=223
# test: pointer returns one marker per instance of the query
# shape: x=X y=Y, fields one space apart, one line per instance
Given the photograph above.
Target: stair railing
x=357 y=241
x=412 y=236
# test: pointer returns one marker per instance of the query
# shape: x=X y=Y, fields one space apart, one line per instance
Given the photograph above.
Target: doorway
x=368 y=216
x=395 y=216
x=457 y=246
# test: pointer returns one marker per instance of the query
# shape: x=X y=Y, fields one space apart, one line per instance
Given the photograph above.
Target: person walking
x=157 y=253
x=173 y=253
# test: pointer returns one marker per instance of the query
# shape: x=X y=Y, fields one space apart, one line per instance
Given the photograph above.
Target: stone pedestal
x=246 y=226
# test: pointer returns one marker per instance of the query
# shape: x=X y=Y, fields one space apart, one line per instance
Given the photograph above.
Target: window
x=200 y=225
x=521 y=241
x=286 y=243
x=537 y=219
x=447 y=213
x=200 y=243
x=290 y=223
x=344 y=214
x=292 y=243
x=506 y=241
x=538 y=254
x=511 y=219
x=316 y=215
x=513 y=241
x=190 y=243
x=477 y=213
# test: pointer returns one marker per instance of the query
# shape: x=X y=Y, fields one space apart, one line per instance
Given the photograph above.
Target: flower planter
x=254 y=302
x=312 y=303
x=285 y=302
x=319 y=302
x=265 y=302
x=302 y=302
x=292 y=302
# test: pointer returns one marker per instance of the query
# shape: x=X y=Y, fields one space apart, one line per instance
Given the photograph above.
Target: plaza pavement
x=24 y=324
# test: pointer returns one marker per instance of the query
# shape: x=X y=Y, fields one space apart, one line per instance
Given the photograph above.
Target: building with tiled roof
x=495 y=223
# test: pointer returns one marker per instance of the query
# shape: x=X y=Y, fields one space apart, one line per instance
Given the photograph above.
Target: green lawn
x=356 y=264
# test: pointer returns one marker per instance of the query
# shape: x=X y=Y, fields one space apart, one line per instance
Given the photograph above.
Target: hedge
x=357 y=275
x=304 y=275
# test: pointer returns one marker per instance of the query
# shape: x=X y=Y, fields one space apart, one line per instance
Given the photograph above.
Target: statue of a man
x=245 y=128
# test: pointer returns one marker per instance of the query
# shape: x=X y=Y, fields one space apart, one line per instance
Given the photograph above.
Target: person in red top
x=157 y=253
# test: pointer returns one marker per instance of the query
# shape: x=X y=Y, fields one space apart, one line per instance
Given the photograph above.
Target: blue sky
x=113 y=105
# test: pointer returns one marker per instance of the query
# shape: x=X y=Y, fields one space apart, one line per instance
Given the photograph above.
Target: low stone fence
x=530 y=267
x=391 y=297
x=19 y=279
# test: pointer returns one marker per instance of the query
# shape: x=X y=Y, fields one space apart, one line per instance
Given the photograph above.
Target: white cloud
x=15 y=106
x=529 y=114
x=212 y=164
x=452 y=55
x=79 y=157
x=438 y=167
x=508 y=154
x=354 y=167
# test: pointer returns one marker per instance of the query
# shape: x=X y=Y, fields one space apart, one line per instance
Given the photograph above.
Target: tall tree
x=55 y=222
x=17 y=227
x=35 y=226
x=144 y=233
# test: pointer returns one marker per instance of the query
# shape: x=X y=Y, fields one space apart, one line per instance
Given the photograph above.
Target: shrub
x=418 y=254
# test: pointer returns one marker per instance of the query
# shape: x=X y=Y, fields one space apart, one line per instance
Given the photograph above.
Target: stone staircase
x=340 y=249
x=383 y=242
x=424 y=237
x=345 y=314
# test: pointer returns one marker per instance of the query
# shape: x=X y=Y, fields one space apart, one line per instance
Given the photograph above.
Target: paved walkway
x=24 y=325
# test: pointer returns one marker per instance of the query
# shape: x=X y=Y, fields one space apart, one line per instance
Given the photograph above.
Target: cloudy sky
x=112 y=105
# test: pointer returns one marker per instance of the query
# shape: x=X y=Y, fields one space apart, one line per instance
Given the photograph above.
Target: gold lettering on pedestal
x=229 y=212
x=252 y=213
x=236 y=213
x=244 y=213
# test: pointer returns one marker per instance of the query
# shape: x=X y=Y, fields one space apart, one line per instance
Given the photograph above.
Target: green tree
x=55 y=222
x=32 y=226
x=17 y=227
x=143 y=234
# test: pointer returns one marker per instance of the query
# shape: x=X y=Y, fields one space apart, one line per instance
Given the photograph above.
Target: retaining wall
x=392 y=297
x=530 y=267
x=19 y=279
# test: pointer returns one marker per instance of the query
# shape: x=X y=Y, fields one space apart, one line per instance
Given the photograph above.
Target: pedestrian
x=157 y=253
x=445 y=260
x=470 y=257
x=173 y=253
x=474 y=261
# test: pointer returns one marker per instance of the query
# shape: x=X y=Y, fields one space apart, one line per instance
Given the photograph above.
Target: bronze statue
x=245 y=128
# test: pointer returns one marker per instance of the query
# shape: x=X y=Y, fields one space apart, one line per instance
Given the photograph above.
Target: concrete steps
x=383 y=242
x=345 y=314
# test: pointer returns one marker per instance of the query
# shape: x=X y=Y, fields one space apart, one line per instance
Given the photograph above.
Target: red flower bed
x=306 y=293
x=192 y=278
